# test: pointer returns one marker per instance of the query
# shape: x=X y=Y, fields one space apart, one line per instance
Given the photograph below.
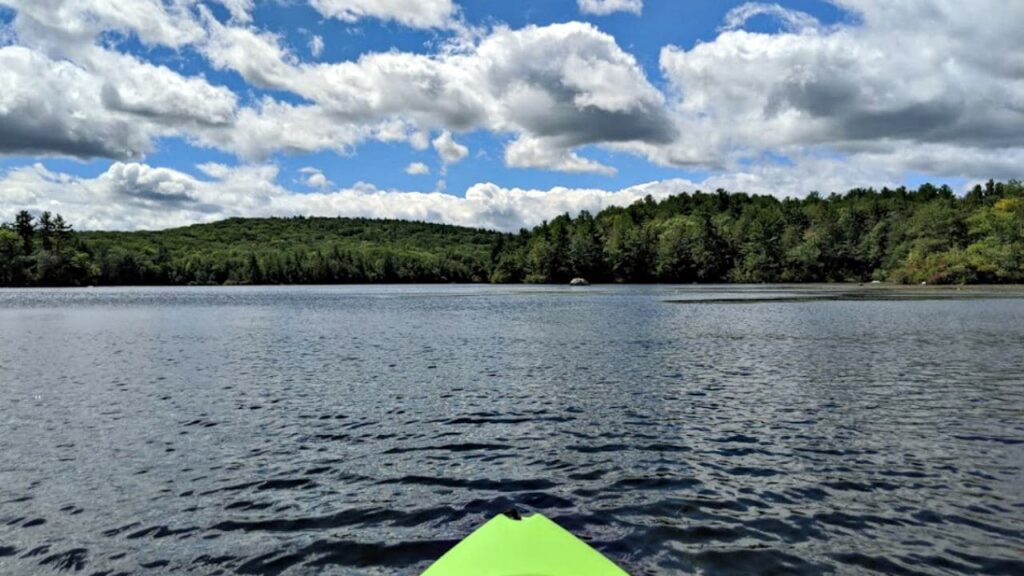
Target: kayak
x=510 y=545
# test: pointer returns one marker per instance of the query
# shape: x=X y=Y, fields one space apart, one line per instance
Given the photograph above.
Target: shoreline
x=820 y=287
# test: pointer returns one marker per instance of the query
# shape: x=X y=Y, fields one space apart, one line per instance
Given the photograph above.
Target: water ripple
x=364 y=431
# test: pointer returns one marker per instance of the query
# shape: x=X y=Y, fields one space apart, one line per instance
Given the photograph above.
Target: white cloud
x=571 y=83
x=240 y=10
x=65 y=95
x=448 y=149
x=412 y=13
x=527 y=152
x=567 y=84
x=605 y=7
x=793 y=20
x=271 y=126
x=903 y=75
x=315 y=178
x=316 y=46
x=108 y=104
x=149 y=187
x=62 y=25
x=157 y=93
x=417 y=169
x=317 y=181
x=70 y=121
x=257 y=56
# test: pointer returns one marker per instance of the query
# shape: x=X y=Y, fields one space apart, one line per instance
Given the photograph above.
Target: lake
x=366 y=429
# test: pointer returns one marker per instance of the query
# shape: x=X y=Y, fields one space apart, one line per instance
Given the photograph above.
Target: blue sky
x=197 y=99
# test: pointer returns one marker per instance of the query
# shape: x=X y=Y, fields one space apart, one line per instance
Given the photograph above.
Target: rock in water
x=579 y=282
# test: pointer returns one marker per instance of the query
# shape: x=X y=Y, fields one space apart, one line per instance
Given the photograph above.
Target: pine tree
x=26 y=229
x=46 y=230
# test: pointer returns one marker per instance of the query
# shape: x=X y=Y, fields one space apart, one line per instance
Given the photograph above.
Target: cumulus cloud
x=65 y=24
x=104 y=104
x=527 y=152
x=65 y=94
x=605 y=7
x=315 y=178
x=158 y=93
x=571 y=83
x=138 y=184
x=903 y=74
x=270 y=126
x=566 y=84
x=69 y=121
x=412 y=13
x=257 y=56
x=417 y=169
x=448 y=149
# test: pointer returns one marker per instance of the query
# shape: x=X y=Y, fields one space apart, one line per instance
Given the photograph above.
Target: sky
x=149 y=114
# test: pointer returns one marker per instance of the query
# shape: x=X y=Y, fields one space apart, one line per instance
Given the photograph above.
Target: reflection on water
x=364 y=430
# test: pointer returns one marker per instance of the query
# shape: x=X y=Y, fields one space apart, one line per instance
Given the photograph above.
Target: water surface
x=364 y=430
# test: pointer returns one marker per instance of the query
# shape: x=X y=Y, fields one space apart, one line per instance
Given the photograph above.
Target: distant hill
x=291 y=251
x=285 y=233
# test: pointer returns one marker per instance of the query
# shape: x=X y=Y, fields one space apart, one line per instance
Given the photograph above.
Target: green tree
x=586 y=258
x=62 y=232
x=676 y=261
x=760 y=244
x=618 y=231
x=11 y=254
x=25 y=226
x=47 y=230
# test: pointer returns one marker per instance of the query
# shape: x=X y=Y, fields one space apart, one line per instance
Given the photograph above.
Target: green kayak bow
x=530 y=546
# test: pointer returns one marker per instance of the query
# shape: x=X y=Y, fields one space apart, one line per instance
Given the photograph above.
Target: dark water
x=365 y=430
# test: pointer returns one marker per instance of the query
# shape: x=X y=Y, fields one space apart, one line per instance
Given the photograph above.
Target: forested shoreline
x=899 y=235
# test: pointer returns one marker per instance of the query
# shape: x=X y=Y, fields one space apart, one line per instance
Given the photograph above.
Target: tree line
x=925 y=235
x=928 y=234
